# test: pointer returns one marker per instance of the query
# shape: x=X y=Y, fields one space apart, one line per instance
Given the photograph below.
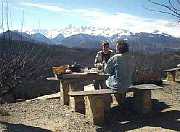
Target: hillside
x=29 y=64
x=26 y=65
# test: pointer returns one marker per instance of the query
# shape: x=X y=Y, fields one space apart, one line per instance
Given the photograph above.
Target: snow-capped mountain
x=40 y=38
x=58 y=39
x=151 y=42
x=91 y=37
x=22 y=36
x=73 y=30
x=83 y=41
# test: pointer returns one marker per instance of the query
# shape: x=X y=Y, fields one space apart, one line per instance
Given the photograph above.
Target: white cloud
x=137 y=24
x=54 y=8
x=16 y=1
x=101 y=18
x=44 y=6
x=89 y=13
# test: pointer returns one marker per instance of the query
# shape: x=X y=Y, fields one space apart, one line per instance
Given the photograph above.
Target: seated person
x=120 y=67
x=103 y=56
x=101 y=59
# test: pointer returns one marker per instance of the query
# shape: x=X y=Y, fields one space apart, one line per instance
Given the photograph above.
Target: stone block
x=77 y=104
x=95 y=108
x=143 y=102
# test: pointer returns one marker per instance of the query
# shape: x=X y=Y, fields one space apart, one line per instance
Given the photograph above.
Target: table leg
x=108 y=100
x=76 y=103
x=64 y=88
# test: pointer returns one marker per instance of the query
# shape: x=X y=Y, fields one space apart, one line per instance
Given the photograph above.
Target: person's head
x=122 y=46
x=105 y=47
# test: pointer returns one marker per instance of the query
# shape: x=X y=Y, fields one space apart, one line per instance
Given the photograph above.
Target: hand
x=100 y=66
x=68 y=71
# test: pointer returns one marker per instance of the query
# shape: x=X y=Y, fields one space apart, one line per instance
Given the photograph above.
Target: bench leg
x=77 y=104
x=174 y=76
x=95 y=108
x=171 y=76
x=64 y=88
x=143 y=103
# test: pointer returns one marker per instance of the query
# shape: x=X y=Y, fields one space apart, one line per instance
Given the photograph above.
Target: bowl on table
x=60 y=69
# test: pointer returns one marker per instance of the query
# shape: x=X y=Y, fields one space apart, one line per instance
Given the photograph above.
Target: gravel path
x=51 y=115
x=46 y=114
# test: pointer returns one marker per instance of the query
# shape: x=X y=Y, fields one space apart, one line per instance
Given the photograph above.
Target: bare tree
x=19 y=60
x=169 y=7
x=2 y=16
x=7 y=14
x=22 y=24
x=7 y=20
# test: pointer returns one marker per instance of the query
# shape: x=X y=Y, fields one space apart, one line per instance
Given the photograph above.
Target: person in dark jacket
x=101 y=60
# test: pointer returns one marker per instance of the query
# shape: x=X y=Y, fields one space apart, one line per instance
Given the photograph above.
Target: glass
x=86 y=69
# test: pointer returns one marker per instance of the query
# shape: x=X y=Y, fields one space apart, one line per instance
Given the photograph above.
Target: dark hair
x=105 y=43
x=124 y=44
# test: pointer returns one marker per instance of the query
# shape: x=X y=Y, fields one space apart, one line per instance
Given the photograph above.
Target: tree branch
x=171 y=9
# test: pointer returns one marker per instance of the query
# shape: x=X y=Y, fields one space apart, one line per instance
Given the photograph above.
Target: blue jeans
x=99 y=83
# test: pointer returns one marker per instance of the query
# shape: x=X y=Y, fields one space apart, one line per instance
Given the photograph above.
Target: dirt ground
x=50 y=115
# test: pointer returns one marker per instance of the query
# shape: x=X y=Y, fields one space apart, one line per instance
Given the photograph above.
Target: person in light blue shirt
x=121 y=68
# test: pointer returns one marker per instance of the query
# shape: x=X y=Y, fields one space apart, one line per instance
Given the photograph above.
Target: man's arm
x=112 y=53
x=98 y=60
x=109 y=68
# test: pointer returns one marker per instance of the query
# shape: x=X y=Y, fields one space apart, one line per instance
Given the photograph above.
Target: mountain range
x=89 y=37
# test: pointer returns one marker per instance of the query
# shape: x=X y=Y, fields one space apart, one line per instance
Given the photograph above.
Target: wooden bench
x=75 y=82
x=142 y=97
x=171 y=74
x=52 y=78
x=94 y=103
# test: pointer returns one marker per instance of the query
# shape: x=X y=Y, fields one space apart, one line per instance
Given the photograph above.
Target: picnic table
x=171 y=74
x=94 y=103
x=75 y=82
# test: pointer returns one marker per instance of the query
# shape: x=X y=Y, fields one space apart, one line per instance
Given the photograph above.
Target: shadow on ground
x=8 y=127
x=125 y=118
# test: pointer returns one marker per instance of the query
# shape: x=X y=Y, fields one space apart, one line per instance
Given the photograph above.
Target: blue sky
x=53 y=14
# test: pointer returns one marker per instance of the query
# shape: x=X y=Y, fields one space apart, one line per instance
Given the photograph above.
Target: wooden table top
x=83 y=75
x=173 y=69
